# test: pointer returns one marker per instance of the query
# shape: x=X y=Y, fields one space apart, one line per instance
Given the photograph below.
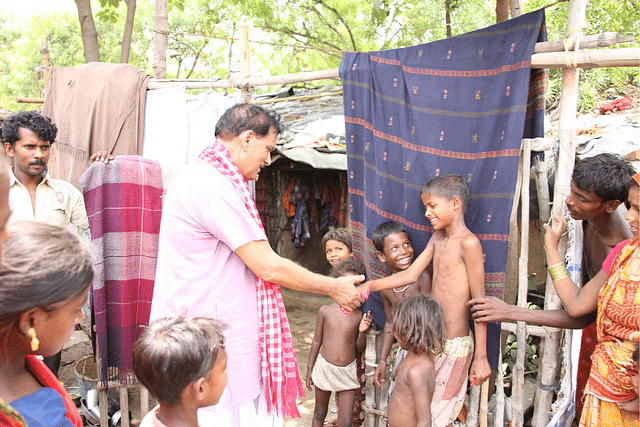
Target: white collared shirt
x=57 y=203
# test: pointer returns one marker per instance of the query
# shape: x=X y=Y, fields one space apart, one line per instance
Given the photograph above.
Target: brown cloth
x=96 y=106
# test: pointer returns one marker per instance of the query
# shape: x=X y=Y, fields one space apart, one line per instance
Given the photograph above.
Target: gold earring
x=35 y=342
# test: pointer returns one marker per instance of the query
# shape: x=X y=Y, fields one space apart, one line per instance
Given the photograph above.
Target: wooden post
x=516 y=7
x=562 y=188
x=369 y=369
x=144 y=401
x=245 y=58
x=124 y=407
x=474 y=404
x=498 y=421
x=46 y=65
x=484 y=404
x=517 y=397
x=160 y=41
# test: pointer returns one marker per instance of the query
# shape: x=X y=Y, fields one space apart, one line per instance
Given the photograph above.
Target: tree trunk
x=160 y=42
x=125 y=47
x=88 y=31
x=502 y=10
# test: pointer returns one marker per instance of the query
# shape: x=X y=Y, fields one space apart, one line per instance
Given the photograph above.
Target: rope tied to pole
x=574 y=34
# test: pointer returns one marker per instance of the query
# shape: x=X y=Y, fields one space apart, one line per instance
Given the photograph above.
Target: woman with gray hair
x=45 y=274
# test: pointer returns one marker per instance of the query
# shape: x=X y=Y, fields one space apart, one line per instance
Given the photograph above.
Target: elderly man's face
x=257 y=154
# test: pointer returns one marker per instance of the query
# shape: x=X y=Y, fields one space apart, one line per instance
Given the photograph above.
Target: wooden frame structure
x=559 y=54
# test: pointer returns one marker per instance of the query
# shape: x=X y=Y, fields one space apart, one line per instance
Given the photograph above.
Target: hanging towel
x=124 y=205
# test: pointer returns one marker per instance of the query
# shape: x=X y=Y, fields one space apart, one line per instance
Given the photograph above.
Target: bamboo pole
x=30 y=100
x=484 y=404
x=542 y=186
x=517 y=397
x=536 y=331
x=629 y=57
x=567 y=133
x=516 y=7
x=245 y=59
x=586 y=42
x=124 y=407
x=144 y=401
x=474 y=404
x=160 y=41
x=45 y=65
x=499 y=414
x=369 y=370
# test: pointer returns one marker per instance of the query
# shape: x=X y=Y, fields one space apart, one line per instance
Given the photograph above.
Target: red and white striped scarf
x=280 y=375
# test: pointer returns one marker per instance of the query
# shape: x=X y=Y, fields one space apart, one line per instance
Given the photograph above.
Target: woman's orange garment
x=618 y=323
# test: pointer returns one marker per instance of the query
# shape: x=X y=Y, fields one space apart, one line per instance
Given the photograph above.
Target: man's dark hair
x=447 y=186
x=243 y=117
x=32 y=120
x=349 y=266
x=383 y=230
x=606 y=175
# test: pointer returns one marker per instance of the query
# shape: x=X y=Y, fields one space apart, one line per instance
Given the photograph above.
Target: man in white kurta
x=211 y=248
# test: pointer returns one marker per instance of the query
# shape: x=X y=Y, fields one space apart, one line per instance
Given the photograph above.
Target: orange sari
x=618 y=326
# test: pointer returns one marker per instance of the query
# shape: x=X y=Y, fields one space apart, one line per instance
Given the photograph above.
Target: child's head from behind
x=445 y=197
x=349 y=267
x=418 y=324
x=393 y=245
x=182 y=354
x=598 y=185
x=337 y=245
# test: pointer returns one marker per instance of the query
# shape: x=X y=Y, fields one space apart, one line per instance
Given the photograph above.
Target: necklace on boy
x=401 y=290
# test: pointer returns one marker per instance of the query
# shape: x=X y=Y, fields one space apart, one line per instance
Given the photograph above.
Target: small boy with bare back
x=419 y=328
x=183 y=363
x=394 y=249
x=332 y=357
x=458 y=276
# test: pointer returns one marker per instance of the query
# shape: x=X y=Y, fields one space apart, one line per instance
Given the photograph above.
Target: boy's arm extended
x=315 y=347
x=363 y=327
x=492 y=309
x=474 y=264
x=406 y=277
x=422 y=395
x=577 y=301
x=387 y=340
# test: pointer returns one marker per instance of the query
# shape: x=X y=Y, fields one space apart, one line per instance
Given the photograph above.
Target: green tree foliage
x=287 y=36
x=621 y=16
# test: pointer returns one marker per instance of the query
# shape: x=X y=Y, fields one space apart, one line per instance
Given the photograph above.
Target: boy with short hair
x=394 y=249
x=183 y=364
x=337 y=245
x=418 y=327
x=458 y=276
x=332 y=358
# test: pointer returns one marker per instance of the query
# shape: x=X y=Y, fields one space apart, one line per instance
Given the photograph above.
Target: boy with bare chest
x=394 y=249
x=458 y=276
x=418 y=327
x=333 y=368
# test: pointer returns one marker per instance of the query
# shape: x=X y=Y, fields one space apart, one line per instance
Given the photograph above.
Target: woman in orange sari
x=610 y=395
